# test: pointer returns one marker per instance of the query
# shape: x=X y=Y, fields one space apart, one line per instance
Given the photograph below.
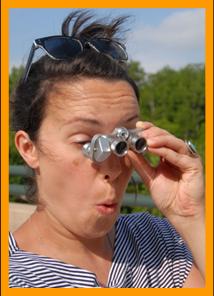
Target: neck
x=54 y=240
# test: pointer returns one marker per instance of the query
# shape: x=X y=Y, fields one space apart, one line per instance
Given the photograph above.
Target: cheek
x=67 y=177
x=63 y=160
x=60 y=154
x=78 y=170
x=76 y=162
x=75 y=167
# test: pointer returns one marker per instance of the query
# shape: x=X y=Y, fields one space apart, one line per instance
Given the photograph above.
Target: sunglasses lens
x=114 y=49
x=62 y=48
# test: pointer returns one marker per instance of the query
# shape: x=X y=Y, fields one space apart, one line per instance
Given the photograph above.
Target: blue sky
x=156 y=37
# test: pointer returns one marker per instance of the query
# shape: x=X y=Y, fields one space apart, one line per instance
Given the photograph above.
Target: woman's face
x=83 y=196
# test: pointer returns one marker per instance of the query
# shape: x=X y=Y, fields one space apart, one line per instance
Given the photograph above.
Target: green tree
x=15 y=75
x=175 y=100
x=14 y=156
x=137 y=73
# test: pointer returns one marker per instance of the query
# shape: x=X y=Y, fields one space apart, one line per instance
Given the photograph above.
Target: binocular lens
x=121 y=148
x=140 y=144
x=101 y=146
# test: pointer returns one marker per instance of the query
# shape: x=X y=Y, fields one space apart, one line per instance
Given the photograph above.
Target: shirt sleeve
x=162 y=255
x=177 y=253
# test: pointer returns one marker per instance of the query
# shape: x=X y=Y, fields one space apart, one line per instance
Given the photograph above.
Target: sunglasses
x=65 y=47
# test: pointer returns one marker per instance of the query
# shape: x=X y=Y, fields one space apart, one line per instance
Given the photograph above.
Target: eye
x=79 y=139
x=82 y=142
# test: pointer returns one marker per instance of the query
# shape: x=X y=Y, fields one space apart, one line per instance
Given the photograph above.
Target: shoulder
x=16 y=265
x=154 y=242
x=30 y=270
x=148 y=230
x=147 y=224
x=24 y=267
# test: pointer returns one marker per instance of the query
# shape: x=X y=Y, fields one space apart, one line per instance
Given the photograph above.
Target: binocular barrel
x=119 y=142
x=118 y=146
x=138 y=144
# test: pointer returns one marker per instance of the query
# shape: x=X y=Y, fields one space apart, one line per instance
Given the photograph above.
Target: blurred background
x=166 y=50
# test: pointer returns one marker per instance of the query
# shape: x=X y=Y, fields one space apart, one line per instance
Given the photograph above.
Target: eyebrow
x=82 y=119
x=95 y=121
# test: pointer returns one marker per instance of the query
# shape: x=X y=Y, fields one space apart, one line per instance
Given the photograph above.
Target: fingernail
x=139 y=124
x=149 y=142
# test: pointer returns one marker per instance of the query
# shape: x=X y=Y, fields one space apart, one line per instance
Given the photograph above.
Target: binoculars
x=118 y=143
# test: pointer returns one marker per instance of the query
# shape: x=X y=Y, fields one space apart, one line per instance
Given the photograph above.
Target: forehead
x=100 y=99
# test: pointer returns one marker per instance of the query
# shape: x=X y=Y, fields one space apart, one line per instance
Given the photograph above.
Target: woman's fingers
x=144 y=124
x=168 y=141
x=157 y=138
x=143 y=168
x=181 y=161
x=165 y=145
x=149 y=130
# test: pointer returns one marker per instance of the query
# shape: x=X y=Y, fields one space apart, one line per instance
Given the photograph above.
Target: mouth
x=107 y=207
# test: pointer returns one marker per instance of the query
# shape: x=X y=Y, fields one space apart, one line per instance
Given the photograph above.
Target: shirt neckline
x=14 y=248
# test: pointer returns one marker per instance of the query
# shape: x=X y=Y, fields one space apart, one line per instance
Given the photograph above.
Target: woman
x=76 y=237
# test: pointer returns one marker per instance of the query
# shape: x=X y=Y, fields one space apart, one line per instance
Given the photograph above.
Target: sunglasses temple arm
x=29 y=63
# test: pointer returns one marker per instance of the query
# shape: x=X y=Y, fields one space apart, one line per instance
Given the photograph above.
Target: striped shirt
x=148 y=253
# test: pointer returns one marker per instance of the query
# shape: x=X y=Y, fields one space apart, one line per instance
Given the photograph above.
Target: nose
x=111 y=168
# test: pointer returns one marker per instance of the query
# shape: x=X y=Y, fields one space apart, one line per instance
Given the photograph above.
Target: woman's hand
x=176 y=185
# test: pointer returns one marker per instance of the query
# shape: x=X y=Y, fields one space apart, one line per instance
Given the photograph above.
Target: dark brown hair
x=29 y=100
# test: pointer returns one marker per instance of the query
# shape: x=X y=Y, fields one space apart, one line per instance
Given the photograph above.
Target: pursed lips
x=107 y=206
x=108 y=202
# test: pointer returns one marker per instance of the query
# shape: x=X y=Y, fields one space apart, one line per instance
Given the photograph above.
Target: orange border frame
x=6 y=5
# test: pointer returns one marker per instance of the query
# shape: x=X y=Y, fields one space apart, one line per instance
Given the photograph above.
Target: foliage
x=14 y=77
x=175 y=101
x=137 y=73
x=129 y=210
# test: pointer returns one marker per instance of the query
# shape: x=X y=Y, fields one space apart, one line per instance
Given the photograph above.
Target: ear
x=27 y=149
